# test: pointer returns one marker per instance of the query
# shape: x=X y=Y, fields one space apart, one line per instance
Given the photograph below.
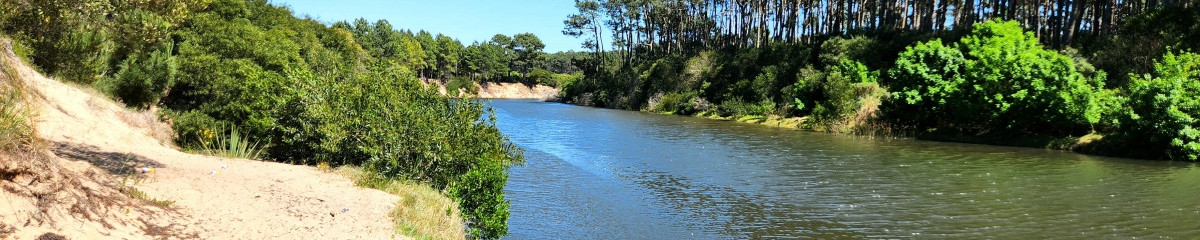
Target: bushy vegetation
x=990 y=80
x=342 y=94
x=504 y=58
x=1163 y=111
x=997 y=79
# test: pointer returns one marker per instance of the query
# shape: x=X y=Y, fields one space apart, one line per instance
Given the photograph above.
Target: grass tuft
x=15 y=111
x=233 y=145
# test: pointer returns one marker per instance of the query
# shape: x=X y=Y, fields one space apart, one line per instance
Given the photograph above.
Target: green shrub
x=81 y=56
x=1163 y=111
x=142 y=79
x=1004 y=82
x=400 y=130
x=543 y=77
x=927 y=77
x=861 y=49
x=737 y=108
x=808 y=89
x=841 y=89
x=675 y=103
x=480 y=192
x=193 y=128
x=456 y=83
x=561 y=80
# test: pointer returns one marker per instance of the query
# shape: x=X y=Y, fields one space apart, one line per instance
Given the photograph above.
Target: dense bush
x=142 y=79
x=738 y=108
x=543 y=77
x=927 y=78
x=675 y=103
x=1004 y=81
x=457 y=84
x=840 y=88
x=858 y=48
x=193 y=128
x=1163 y=111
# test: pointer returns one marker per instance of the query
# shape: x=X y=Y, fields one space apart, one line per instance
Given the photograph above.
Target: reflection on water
x=608 y=174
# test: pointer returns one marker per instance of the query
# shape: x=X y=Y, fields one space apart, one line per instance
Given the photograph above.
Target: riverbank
x=1090 y=144
x=499 y=90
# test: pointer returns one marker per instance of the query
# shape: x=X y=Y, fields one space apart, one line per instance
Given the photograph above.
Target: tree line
x=679 y=26
x=979 y=71
x=503 y=58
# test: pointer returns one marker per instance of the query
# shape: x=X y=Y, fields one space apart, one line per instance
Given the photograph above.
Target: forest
x=253 y=78
x=1100 y=77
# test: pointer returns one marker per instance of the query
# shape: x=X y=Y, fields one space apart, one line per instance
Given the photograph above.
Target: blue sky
x=465 y=20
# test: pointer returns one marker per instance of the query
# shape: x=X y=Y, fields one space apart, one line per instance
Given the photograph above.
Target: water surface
x=610 y=174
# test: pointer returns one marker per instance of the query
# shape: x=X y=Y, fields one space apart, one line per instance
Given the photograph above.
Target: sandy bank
x=497 y=90
x=93 y=147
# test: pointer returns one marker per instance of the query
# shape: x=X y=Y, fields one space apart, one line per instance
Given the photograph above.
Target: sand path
x=214 y=198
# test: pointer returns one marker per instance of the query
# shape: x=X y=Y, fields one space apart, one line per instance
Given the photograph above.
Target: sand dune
x=93 y=147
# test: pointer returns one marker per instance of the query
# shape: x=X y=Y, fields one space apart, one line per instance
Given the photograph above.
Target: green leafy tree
x=1163 y=111
x=1004 y=82
x=430 y=45
x=449 y=56
x=927 y=78
x=528 y=48
x=414 y=55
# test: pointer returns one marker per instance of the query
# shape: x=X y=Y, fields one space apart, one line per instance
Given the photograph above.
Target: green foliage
x=859 y=48
x=675 y=103
x=841 y=90
x=1004 y=81
x=448 y=56
x=317 y=95
x=481 y=192
x=456 y=83
x=76 y=40
x=738 y=108
x=193 y=128
x=528 y=49
x=81 y=56
x=141 y=80
x=1142 y=39
x=928 y=77
x=1163 y=110
x=543 y=77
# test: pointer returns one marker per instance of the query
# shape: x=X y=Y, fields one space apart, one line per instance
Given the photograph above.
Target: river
x=610 y=174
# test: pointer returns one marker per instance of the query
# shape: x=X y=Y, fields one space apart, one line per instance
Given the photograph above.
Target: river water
x=609 y=174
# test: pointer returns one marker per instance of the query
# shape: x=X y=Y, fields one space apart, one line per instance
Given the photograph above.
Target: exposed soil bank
x=499 y=90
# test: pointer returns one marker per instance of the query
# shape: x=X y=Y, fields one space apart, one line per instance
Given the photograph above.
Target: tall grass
x=15 y=112
x=422 y=212
x=232 y=145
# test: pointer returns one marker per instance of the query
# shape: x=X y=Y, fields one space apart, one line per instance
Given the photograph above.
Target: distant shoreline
x=500 y=90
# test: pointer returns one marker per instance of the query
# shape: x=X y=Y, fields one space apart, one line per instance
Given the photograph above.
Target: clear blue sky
x=465 y=20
